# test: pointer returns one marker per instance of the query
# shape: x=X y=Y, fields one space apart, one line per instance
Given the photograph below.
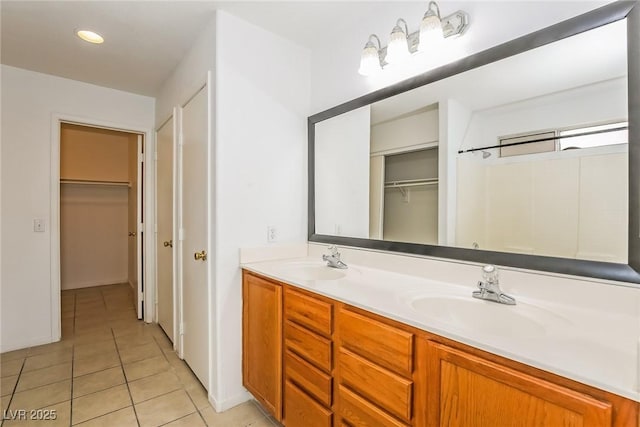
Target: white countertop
x=594 y=346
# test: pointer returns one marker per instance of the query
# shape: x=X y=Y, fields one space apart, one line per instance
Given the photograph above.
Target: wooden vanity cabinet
x=344 y=366
x=308 y=362
x=262 y=341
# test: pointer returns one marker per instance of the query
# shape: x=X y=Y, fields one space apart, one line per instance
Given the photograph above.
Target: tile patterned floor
x=109 y=369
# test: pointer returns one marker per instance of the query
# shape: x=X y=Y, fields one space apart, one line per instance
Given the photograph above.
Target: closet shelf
x=410 y=183
x=93 y=182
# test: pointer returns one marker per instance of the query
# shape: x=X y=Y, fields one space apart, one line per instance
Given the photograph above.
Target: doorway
x=101 y=210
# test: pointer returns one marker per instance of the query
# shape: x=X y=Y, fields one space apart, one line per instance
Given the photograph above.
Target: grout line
x=184 y=416
x=13 y=392
x=45 y=384
x=125 y=378
x=164 y=394
x=48 y=404
x=49 y=366
x=105 y=414
x=199 y=411
x=98 y=391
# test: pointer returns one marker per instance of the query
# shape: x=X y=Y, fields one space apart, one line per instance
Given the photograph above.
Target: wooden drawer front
x=383 y=344
x=358 y=412
x=309 y=378
x=302 y=411
x=382 y=387
x=309 y=346
x=308 y=311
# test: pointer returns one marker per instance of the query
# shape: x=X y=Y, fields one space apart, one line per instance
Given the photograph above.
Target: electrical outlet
x=272 y=234
x=337 y=229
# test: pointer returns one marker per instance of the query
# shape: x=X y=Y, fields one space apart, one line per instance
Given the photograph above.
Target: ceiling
x=145 y=40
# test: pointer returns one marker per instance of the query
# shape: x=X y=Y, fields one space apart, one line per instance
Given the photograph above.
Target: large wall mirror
x=524 y=155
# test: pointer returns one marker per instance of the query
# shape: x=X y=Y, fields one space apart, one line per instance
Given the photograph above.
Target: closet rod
x=91 y=182
x=410 y=183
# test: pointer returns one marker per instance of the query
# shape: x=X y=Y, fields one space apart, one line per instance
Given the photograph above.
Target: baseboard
x=27 y=343
x=93 y=283
x=223 y=405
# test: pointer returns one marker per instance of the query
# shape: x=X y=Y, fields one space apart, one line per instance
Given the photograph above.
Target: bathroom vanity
x=314 y=356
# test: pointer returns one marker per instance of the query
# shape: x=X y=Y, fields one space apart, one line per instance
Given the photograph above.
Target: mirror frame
x=596 y=269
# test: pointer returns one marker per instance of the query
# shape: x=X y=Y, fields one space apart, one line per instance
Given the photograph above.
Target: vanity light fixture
x=90 y=36
x=402 y=44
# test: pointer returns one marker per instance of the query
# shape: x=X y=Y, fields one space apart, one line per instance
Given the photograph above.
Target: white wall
x=29 y=102
x=189 y=76
x=262 y=105
x=453 y=119
x=342 y=174
x=335 y=61
x=405 y=132
x=93 y=235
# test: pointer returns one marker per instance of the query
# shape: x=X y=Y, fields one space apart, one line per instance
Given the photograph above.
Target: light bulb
x=369 y=60
x=398 y=47
x=431 y=33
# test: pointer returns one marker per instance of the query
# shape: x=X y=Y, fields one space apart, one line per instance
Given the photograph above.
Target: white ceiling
x=145 y=40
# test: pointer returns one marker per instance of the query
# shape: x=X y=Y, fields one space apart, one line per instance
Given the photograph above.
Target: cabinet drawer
x=314 y=348
x=385 y=345
x=309 y=312
x=377 y=384
x=308 y=377
x=302 y=411
x=359 y=412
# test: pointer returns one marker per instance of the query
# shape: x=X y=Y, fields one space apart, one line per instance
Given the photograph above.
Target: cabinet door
x=467 y=391
x=262 y=342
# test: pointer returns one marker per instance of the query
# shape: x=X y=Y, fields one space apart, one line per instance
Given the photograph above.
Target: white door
x=195 y=233
x=164 y=237
x=136 y=236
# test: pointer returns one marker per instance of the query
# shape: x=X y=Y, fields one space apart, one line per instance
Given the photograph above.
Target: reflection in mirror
x=525 y=155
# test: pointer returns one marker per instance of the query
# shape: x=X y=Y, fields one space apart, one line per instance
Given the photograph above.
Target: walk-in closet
x=100 y=210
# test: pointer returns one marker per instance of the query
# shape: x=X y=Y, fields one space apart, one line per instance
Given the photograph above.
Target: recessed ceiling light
x=90 y=36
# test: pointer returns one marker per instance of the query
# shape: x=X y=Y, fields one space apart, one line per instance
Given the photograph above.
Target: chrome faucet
x=333 y=260
x=490 y=287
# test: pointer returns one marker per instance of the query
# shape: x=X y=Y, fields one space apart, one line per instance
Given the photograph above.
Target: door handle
x=132 y=234
x=200 y=256
x=168 y=244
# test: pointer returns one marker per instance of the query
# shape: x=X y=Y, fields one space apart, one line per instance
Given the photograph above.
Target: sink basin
x=312 y=271
x=488 y=317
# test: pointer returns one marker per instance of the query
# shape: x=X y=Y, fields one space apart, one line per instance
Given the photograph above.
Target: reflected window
x=594 y=136
x=565 y=139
